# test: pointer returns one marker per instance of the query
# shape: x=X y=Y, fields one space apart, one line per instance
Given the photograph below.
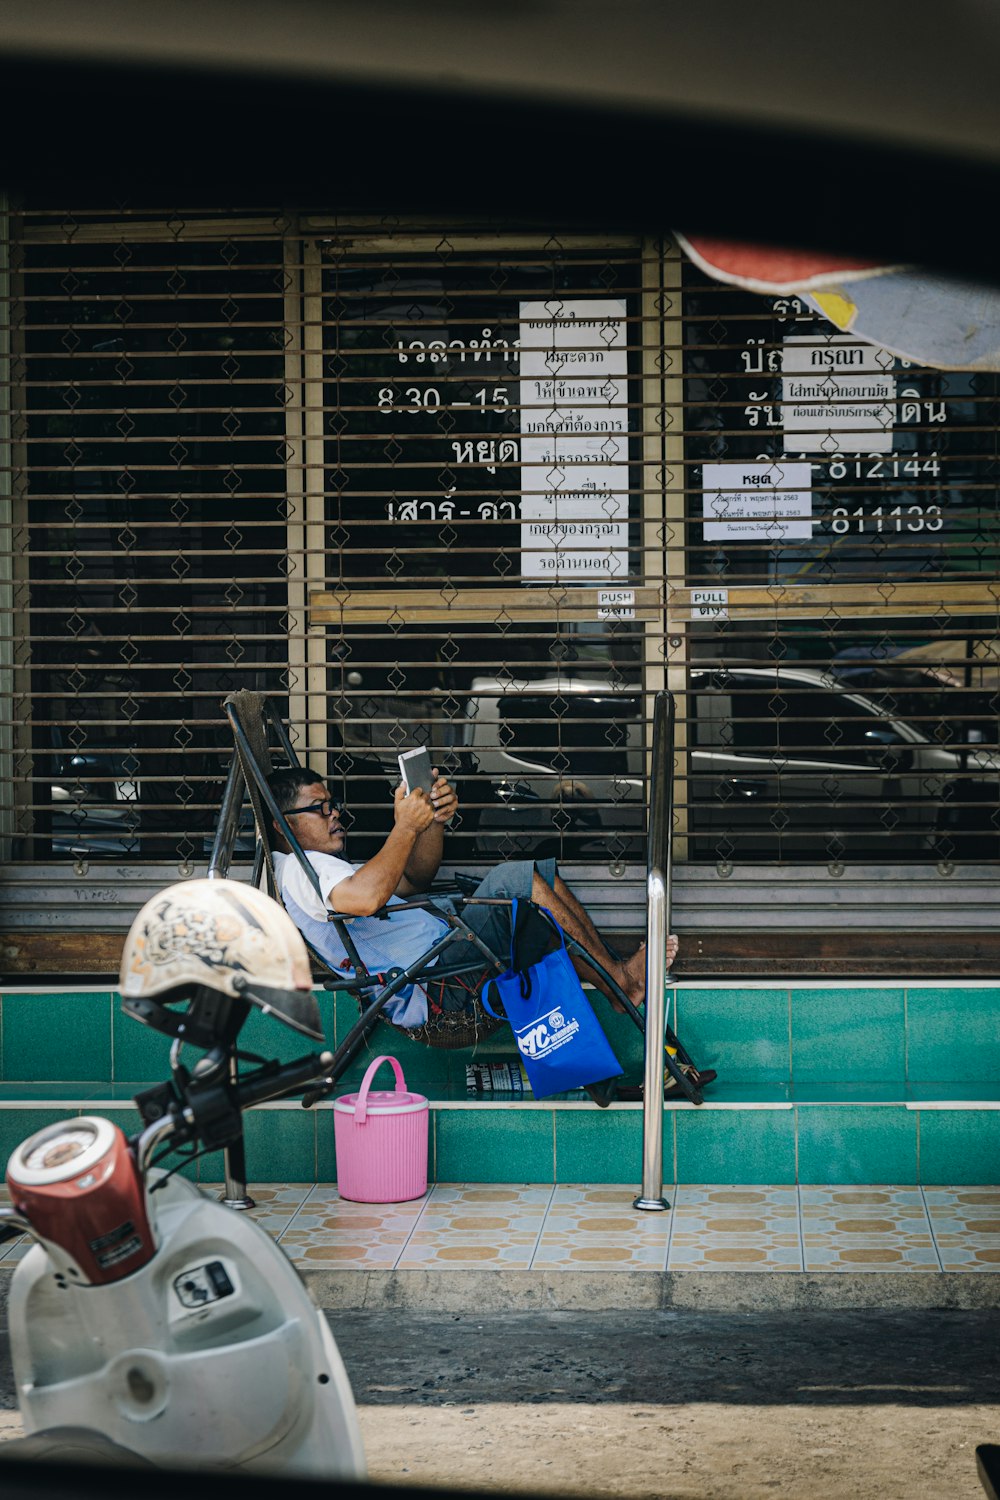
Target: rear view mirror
x=884 y=737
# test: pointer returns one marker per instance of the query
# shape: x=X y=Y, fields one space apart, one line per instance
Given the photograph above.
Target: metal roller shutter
x=485 y=490
x=843 y=534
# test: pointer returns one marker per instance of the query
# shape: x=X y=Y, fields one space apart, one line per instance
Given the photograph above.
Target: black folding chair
x=260 y=737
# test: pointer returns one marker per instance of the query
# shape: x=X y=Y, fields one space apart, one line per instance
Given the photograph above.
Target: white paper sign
x=763 y=503
x=710 y=604
x=838 y=396
x=574 y=438
x=574 y=549
x=575 y=342
x=616 y=604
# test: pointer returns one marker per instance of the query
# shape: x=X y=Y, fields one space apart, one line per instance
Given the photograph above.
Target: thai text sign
x=837 y=395
x=574 y=438
x=769 y=502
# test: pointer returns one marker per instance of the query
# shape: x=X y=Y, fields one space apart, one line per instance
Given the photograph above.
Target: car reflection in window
x=782 y=763
x=559 y=767
x=797 y=764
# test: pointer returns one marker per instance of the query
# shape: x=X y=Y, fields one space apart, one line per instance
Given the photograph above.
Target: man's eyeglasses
x=324 y=808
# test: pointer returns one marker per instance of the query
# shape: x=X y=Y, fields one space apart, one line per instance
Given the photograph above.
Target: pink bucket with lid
x=381 y=1139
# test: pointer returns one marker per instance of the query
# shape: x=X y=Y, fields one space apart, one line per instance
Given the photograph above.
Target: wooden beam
x=524 y=605
x=36 y=953
x=843 y=600
x=490 y=606
x=843 y=953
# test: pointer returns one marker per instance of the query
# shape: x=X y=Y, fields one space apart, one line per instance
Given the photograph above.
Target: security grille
x=485 y=491
x=149 y=455
x=842 y=531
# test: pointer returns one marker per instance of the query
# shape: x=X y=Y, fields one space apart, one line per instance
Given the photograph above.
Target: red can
x=77 y=1184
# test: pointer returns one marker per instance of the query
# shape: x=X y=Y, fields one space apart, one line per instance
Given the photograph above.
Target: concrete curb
x=468 y=1291
x=701 y=1291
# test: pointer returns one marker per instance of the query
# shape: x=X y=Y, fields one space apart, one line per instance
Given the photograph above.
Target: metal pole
x=228 y=825
x=234 y=1159
x=8 y=623
x=652 y=1114
x=657 y=922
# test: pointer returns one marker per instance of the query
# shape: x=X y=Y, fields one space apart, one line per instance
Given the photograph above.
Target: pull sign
x=710 y=604
x=616 y=604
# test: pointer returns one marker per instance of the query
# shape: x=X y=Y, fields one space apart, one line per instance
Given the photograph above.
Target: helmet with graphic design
x=221 y=936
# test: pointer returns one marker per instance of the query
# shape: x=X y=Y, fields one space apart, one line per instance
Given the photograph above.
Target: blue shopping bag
x=557 y=1034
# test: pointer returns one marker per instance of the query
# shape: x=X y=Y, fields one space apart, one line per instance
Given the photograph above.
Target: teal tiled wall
x=857 y=1143
x=815 y=1079
x=57 y=1037
x=85 y=1037
x=744 y=1034
x=592 y=1145
x=855 y=1035
x=952 y=1034
x=754 y=1035
x=811 y=1144
x=959 y=1146
x=754 y=1145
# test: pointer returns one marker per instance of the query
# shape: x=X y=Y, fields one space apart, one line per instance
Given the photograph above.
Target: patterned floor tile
x=859 y=1200
x=498 y=1209
x=331 y=1231
x=469 y=1249
x=725 y=1199
x=325 y=1203
x=600 y=1196
x=594 y=1228
x=491 y=1195
x=514 y=1226
x=866 y=1229
x=473 y=1225
x=857 y=1253
x=735 y=1229
x=965 y=1222
x=275 y=1204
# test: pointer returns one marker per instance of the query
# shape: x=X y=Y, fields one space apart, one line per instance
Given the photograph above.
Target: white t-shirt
x=296 y=886
x=393 y=942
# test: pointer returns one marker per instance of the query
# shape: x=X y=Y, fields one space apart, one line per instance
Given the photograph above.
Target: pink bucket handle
x=361 y=1106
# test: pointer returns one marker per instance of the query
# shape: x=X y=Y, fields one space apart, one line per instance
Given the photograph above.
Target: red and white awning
x=928 y=319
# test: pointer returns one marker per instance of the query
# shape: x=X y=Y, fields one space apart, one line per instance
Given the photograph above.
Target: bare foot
x=634 y=981
x=634 y=975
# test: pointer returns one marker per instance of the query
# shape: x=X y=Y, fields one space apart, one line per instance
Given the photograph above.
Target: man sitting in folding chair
x=405 y=866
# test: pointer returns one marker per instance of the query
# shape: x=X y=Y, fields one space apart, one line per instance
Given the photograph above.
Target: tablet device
x=415 y=769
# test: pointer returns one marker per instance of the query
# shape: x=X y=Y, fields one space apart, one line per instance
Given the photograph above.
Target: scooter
x=148 y=1322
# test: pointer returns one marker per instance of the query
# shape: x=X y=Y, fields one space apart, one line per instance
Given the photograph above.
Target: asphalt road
x=672 y=1405
x=666 y=1405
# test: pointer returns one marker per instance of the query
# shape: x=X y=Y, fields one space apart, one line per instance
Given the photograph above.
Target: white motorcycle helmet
x=222 y=936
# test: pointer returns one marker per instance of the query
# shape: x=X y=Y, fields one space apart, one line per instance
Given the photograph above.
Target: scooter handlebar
x=209 y=1111
x=290 y=1078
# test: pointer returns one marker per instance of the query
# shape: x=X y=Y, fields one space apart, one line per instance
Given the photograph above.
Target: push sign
x=616 y=604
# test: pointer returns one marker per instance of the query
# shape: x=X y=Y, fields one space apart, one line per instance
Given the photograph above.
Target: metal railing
x=658 y=883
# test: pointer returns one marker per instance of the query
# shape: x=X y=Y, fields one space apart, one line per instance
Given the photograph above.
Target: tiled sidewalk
x=518 y=1227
